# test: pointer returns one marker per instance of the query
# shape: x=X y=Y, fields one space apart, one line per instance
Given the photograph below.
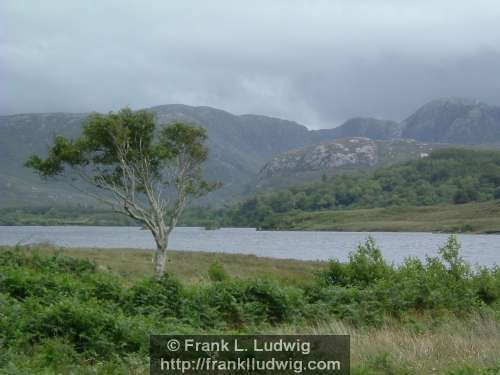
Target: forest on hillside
x=447 y=176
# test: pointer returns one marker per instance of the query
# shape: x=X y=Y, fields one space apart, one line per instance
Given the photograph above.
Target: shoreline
x=281 y=229
x=469 y=218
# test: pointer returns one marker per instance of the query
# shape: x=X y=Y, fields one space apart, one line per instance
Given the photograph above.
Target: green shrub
x=22 y=283
x=487 y=284
x=223 y=301
x=450 y=254
x=254 y=301
x=266 y=300
x=89 y=327
x=366 y=288
x=216 y=272
x=103 y=287
x=56 y=352
x=56 y=263
x=366 y=265
x=164 y=297
x=352 y=304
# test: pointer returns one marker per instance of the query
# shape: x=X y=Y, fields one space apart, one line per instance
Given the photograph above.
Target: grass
x=397 y=349
x=133 y=264
x=472 y=217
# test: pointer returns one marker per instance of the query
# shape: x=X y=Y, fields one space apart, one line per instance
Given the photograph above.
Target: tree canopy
x=141 y=171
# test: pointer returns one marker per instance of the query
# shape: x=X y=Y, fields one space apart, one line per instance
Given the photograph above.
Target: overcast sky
x=316 y=62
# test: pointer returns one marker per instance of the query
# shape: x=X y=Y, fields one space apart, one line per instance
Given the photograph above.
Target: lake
x=481 y=249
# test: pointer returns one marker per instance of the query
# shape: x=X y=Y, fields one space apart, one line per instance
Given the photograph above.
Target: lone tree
x=146 y=174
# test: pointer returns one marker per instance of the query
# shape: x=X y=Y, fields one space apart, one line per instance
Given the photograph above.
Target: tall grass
x=395 y=347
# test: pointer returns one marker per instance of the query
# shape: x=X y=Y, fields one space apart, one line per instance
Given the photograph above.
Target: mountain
x=239 y=146
x=454 y=120
x=340 y=156
x=363 y=127
x=22 y=135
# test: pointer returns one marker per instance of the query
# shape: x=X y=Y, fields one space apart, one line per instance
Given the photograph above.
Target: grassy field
x=421 y=342
x=133 y=264
x=397 y=349
x=472 y=217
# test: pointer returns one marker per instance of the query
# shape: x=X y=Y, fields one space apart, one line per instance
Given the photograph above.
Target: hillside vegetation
x=62 y=314
x=448 y=176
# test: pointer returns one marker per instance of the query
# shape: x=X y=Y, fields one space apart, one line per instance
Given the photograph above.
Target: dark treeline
x=76 y=215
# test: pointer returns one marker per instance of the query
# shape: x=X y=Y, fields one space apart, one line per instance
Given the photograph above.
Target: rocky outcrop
x=325 y=156
x=344 y=154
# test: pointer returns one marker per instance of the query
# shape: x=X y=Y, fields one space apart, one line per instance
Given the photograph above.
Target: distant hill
x=239 y=146
x=363 y=127
x=338 y=156
x=454 y=120
x=22 y=135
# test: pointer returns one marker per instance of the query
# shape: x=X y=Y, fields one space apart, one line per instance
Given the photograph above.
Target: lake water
x=481 y=249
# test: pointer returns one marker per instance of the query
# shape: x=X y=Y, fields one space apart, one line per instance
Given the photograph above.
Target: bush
x=268 y=301
x=22 y=283
x=366 y=288
x=223 y=302
x=487 y=285
x=254 y=301
x=103 y=287
x=353 y=304
x=366 y=265
x=89 y=327
x=164 y=297
x=216 y=272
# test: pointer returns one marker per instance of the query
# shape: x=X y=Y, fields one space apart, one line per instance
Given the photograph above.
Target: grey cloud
x=316 y=62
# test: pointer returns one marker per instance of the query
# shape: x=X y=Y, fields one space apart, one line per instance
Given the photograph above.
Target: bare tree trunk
x=160 y=259
x=160 y=262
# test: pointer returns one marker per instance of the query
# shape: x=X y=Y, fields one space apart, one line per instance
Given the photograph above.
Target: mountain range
x=240 y=146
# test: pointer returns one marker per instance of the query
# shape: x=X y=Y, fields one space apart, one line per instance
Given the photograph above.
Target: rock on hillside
x=339 y=156
x=324 y=156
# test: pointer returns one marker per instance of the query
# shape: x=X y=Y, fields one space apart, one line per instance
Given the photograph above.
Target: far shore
x=473 y=218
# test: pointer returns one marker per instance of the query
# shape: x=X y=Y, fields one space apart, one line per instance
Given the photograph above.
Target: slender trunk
x=160 y=256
